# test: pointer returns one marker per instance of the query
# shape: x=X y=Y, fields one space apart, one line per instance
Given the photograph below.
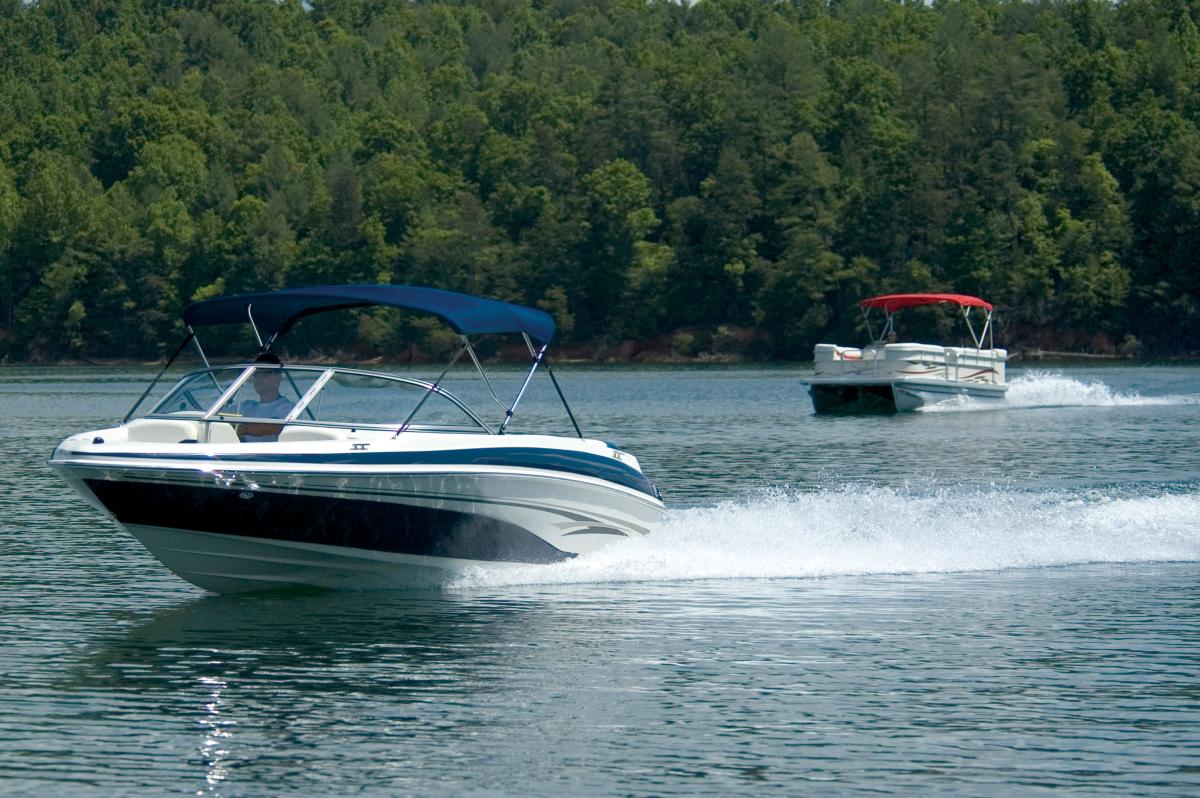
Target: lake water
x=966 y=602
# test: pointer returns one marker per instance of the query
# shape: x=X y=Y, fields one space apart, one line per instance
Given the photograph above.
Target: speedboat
x=888 y=376
x=265 y=475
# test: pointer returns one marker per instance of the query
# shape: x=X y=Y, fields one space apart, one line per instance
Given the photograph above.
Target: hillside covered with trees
x=725 y=175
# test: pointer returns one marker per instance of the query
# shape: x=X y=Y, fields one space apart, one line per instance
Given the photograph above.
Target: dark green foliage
x=717 y=175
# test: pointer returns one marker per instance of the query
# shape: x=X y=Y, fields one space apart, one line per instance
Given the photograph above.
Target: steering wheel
x=189 y=402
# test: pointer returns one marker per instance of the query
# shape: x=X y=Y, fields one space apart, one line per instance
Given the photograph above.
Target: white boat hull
x=903 y=395
x=912 y=395
x=224 y=563
x=242 y=526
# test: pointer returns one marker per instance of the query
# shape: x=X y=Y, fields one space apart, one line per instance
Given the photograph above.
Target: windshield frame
x=216 y=411
x=212 y=372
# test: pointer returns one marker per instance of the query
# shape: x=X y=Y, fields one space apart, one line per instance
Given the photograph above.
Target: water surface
x=969 y=601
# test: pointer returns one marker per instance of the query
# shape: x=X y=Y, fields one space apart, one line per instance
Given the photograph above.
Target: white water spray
x=1053 y=389
x=879 y=530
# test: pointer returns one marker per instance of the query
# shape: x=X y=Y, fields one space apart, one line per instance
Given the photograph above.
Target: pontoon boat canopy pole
x=978 y=339
x=432 y=388
x=888 y=325
x=867 y=322
x=537 y=358
x=187 y=339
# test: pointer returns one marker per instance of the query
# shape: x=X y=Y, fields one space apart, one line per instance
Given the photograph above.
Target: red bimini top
x=893 y=302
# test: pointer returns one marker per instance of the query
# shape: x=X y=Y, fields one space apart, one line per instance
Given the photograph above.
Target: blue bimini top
x=274 y=313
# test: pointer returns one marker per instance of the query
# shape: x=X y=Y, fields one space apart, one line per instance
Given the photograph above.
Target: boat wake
x=1053 y=389
x=881 y=530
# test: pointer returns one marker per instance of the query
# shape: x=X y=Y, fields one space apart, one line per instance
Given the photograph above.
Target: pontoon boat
x=266 y=475
x=887 y=377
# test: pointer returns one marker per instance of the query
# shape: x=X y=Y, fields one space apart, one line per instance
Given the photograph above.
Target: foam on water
x=1053 y=389
x=880 y=530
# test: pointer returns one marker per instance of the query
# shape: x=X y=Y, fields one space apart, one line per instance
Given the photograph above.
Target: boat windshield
x=316 y=395
x=197 y=392
x=270 y=392
x=380 y=400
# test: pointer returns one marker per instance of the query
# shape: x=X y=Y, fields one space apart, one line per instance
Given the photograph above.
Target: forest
x=723 y=178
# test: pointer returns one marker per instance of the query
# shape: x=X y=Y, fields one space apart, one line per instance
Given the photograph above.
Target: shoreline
x=646 y=358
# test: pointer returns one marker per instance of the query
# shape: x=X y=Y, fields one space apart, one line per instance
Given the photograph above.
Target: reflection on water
x=1080 y=679
x=265 y=638
x=277 y=670
x=218 y=732
x=837 y=605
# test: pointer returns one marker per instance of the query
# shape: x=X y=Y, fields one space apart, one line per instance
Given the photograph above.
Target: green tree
x=619 y=217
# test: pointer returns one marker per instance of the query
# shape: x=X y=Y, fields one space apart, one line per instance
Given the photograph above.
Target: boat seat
x=162 y=430
x=299 y=433
x=830 y=352
x=221 y=432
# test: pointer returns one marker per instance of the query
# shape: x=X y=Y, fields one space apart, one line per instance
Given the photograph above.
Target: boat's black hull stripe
x=360 y=524
x=588 y=465
x=374 y=492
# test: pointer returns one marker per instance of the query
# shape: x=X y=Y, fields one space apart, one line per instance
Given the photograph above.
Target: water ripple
x=970 y=604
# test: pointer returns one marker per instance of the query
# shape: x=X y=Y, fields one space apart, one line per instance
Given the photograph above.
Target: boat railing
x=891 y=360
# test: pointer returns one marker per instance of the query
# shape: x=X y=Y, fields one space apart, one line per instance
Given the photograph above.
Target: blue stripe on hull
x=588 y=465
x=972 y=392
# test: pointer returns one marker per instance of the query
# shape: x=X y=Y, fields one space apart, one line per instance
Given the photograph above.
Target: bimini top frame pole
x=888 y=325
x=554 y=380
x=432 y=388
x=986 y=332
x=562 y=398
x=966 y=314
x=867 y=321
x=479 y=367
x=537 y=359
x=186 y=340
x=272 y=314
x=254 y=327
x=894 y=302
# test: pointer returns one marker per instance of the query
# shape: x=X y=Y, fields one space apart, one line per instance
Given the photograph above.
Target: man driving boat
x=269 y=403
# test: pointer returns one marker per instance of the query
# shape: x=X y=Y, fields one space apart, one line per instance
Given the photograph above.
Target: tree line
x=717 y=176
